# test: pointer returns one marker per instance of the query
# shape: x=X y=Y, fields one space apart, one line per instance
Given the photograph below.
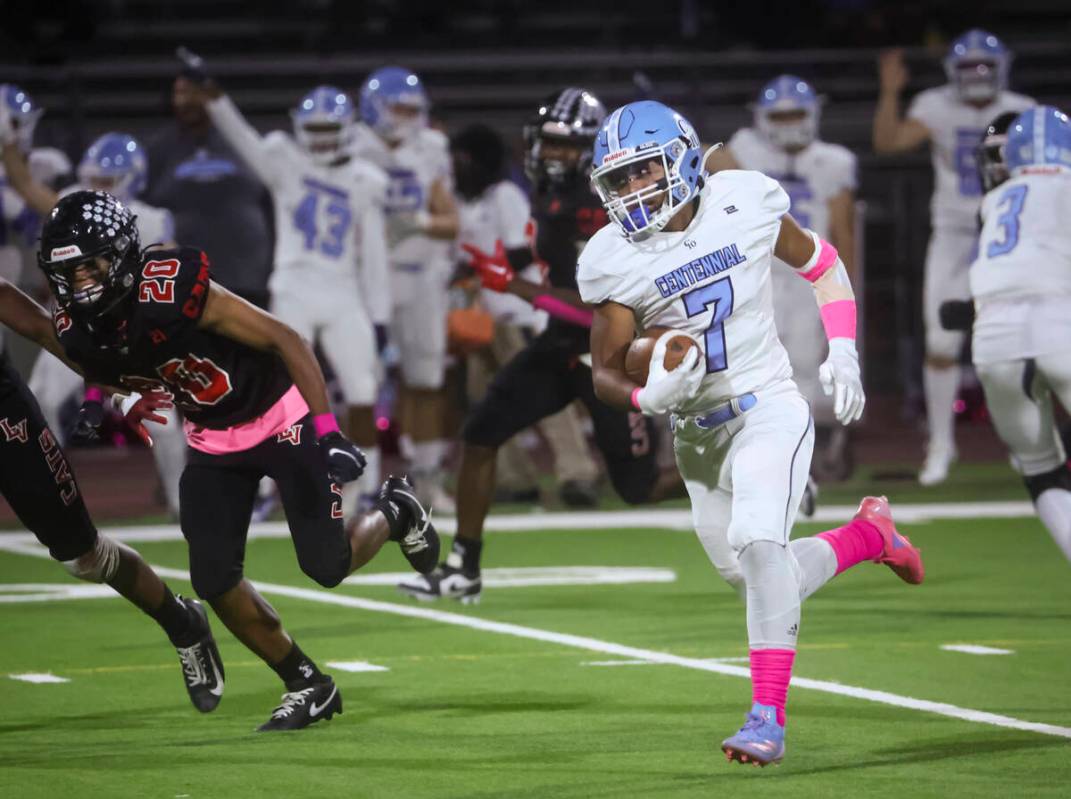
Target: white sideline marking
x=620 y=650
x=52 y=592
x=976 y=649
x=656 y=663
x=40 y=679
x=354 y=666
x=665 y=519
x=540 y=575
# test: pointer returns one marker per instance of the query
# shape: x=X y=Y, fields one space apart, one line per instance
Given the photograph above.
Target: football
x=638 y=357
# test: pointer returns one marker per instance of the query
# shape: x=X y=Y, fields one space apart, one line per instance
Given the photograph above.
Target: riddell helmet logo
x=63 y=253
x=610 y=157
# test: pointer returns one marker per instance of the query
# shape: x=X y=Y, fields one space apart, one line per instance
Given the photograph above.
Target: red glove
x=494 y=269
x=144 y=410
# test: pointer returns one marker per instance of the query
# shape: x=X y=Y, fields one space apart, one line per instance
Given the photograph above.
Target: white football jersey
x=413 y=167
x=1021 y=279
x=329 y=220
x=956 y=130
x=501 y=213
x=711 y=280
x=812 y=177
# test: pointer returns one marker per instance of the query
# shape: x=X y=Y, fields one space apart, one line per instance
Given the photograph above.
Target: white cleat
x=935 y=468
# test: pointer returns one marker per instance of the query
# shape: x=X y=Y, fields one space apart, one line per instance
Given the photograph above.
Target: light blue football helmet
x=323 y=123
x=977 y=64
x=786 y=112
x=1040 y=136
x=631 y=140
x=385 y=90
x=117 y=164
x=24 y=114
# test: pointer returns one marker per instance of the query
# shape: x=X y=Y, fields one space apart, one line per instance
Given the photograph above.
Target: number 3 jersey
x=712 y=280
x=1021 y=279
x=216 y=381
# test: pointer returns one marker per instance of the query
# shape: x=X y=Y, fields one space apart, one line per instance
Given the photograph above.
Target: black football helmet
x=83 y=226
x=990 y=153
x=570 y=116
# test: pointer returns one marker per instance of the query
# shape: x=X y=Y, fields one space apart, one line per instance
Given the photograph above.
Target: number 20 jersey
x=712 y=281
x=1021 y=279
x=216 y=381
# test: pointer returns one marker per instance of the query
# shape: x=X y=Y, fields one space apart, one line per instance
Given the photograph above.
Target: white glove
x=7 y=127
x=402 y=226
x=839 y=376
x=666 y=390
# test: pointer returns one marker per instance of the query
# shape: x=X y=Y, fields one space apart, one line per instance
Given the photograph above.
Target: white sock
x=816 y=561
x=428 y=455
x=773 y=596
x=941 y=386
x=1054 y=508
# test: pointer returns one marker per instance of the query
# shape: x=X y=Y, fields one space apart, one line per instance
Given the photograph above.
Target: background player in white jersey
x=952 y=119
x=330 y=277
x=1021 y=285
x=115 y=163
x=820 y=179
x=422 y=223
x=694 y=253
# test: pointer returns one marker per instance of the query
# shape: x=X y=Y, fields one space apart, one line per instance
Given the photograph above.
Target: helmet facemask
x=789 y=129
x=976 y=80
x=646 y=210
x=325 y=141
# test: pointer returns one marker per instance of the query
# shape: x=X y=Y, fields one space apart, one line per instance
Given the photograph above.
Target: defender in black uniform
x=37 y=481
x=550 y=372
x=255 y=404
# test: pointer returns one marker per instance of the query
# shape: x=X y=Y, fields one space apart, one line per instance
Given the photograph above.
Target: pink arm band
x=94 y=394
x=635 y=398
x=324 y=423
x=838 y=318
x=825 y=256
x=563 y=310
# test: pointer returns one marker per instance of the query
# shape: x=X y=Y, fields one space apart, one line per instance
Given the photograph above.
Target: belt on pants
x=730 y=410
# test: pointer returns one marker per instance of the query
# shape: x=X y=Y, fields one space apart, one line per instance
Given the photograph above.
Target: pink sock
x=853 y=543
x=771 y=669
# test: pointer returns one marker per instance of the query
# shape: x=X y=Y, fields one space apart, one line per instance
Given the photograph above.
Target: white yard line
x=38 y=679
x=976 y=649
x=621 y=651
x=540 y=576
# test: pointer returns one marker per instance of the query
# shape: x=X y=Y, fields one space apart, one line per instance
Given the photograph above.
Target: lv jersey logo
x=291 y=435
x=14 y=432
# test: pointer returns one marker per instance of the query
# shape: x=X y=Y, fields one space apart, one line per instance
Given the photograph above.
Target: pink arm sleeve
x=563 y=310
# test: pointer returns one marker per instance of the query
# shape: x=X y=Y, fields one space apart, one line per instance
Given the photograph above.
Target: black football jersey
x=216 y=382
x=564 y=221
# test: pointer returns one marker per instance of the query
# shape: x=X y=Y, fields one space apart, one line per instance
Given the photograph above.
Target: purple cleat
x=760 y=741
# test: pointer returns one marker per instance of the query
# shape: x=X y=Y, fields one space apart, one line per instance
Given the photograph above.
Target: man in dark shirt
x=219 y=206
x=551 y=371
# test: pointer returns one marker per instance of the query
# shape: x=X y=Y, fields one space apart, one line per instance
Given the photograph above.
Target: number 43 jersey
x=1021 y=279
x=712 y=280
x=216 y=381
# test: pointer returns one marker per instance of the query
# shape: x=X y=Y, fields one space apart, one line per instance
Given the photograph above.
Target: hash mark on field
x=38 y=679
x=976 y=649
x=354 y=666
x=609 y=648
x=657 y=663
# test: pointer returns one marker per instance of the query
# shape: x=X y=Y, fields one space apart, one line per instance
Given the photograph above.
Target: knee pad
x=1060 y=477
x=99 y=564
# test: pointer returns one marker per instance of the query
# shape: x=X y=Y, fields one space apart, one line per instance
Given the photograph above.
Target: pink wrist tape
x=826 y=257
x=635 y=398
x=325 y=423
x=563 y=310
x=838 y=318
x=94 y=394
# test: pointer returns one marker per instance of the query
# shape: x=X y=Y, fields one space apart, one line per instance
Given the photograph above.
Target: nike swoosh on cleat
x=898 y=542
x=315 y=711
x=349 y=455
x=218 y=690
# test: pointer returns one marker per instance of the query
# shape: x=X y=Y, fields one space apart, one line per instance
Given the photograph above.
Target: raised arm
x=242 y=136
x=36 y=195
x=892 y=132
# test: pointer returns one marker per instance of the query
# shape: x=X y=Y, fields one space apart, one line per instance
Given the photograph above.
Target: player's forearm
x=887 y=122
x=36 y=195
x=304 y=369
x=564 y=304
x=613 y=387
x=442 y=226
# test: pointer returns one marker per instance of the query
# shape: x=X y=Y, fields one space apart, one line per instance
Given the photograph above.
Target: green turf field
x=510 y=711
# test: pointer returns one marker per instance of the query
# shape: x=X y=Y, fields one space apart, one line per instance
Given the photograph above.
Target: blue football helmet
x=635 y=138
x=977 y=65
x=393 y=103
x=323 y=123
x=24 y=114
x=117 y=164
x=786 y=112
x=1040 y=136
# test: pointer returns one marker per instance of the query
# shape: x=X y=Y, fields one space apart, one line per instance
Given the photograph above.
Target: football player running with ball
x=255 y=405
x=694 y=253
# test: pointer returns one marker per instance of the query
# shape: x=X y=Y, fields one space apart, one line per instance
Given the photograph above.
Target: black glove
x=381 y=338
x=90 y=418
x=193 y=66
x=956 y=314
x=344 y=459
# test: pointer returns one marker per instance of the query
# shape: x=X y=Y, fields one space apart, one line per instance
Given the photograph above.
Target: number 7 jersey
x=711 y=280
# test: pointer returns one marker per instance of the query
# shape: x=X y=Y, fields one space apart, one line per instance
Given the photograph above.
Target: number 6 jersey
x=712 y=280
x=216 y=381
